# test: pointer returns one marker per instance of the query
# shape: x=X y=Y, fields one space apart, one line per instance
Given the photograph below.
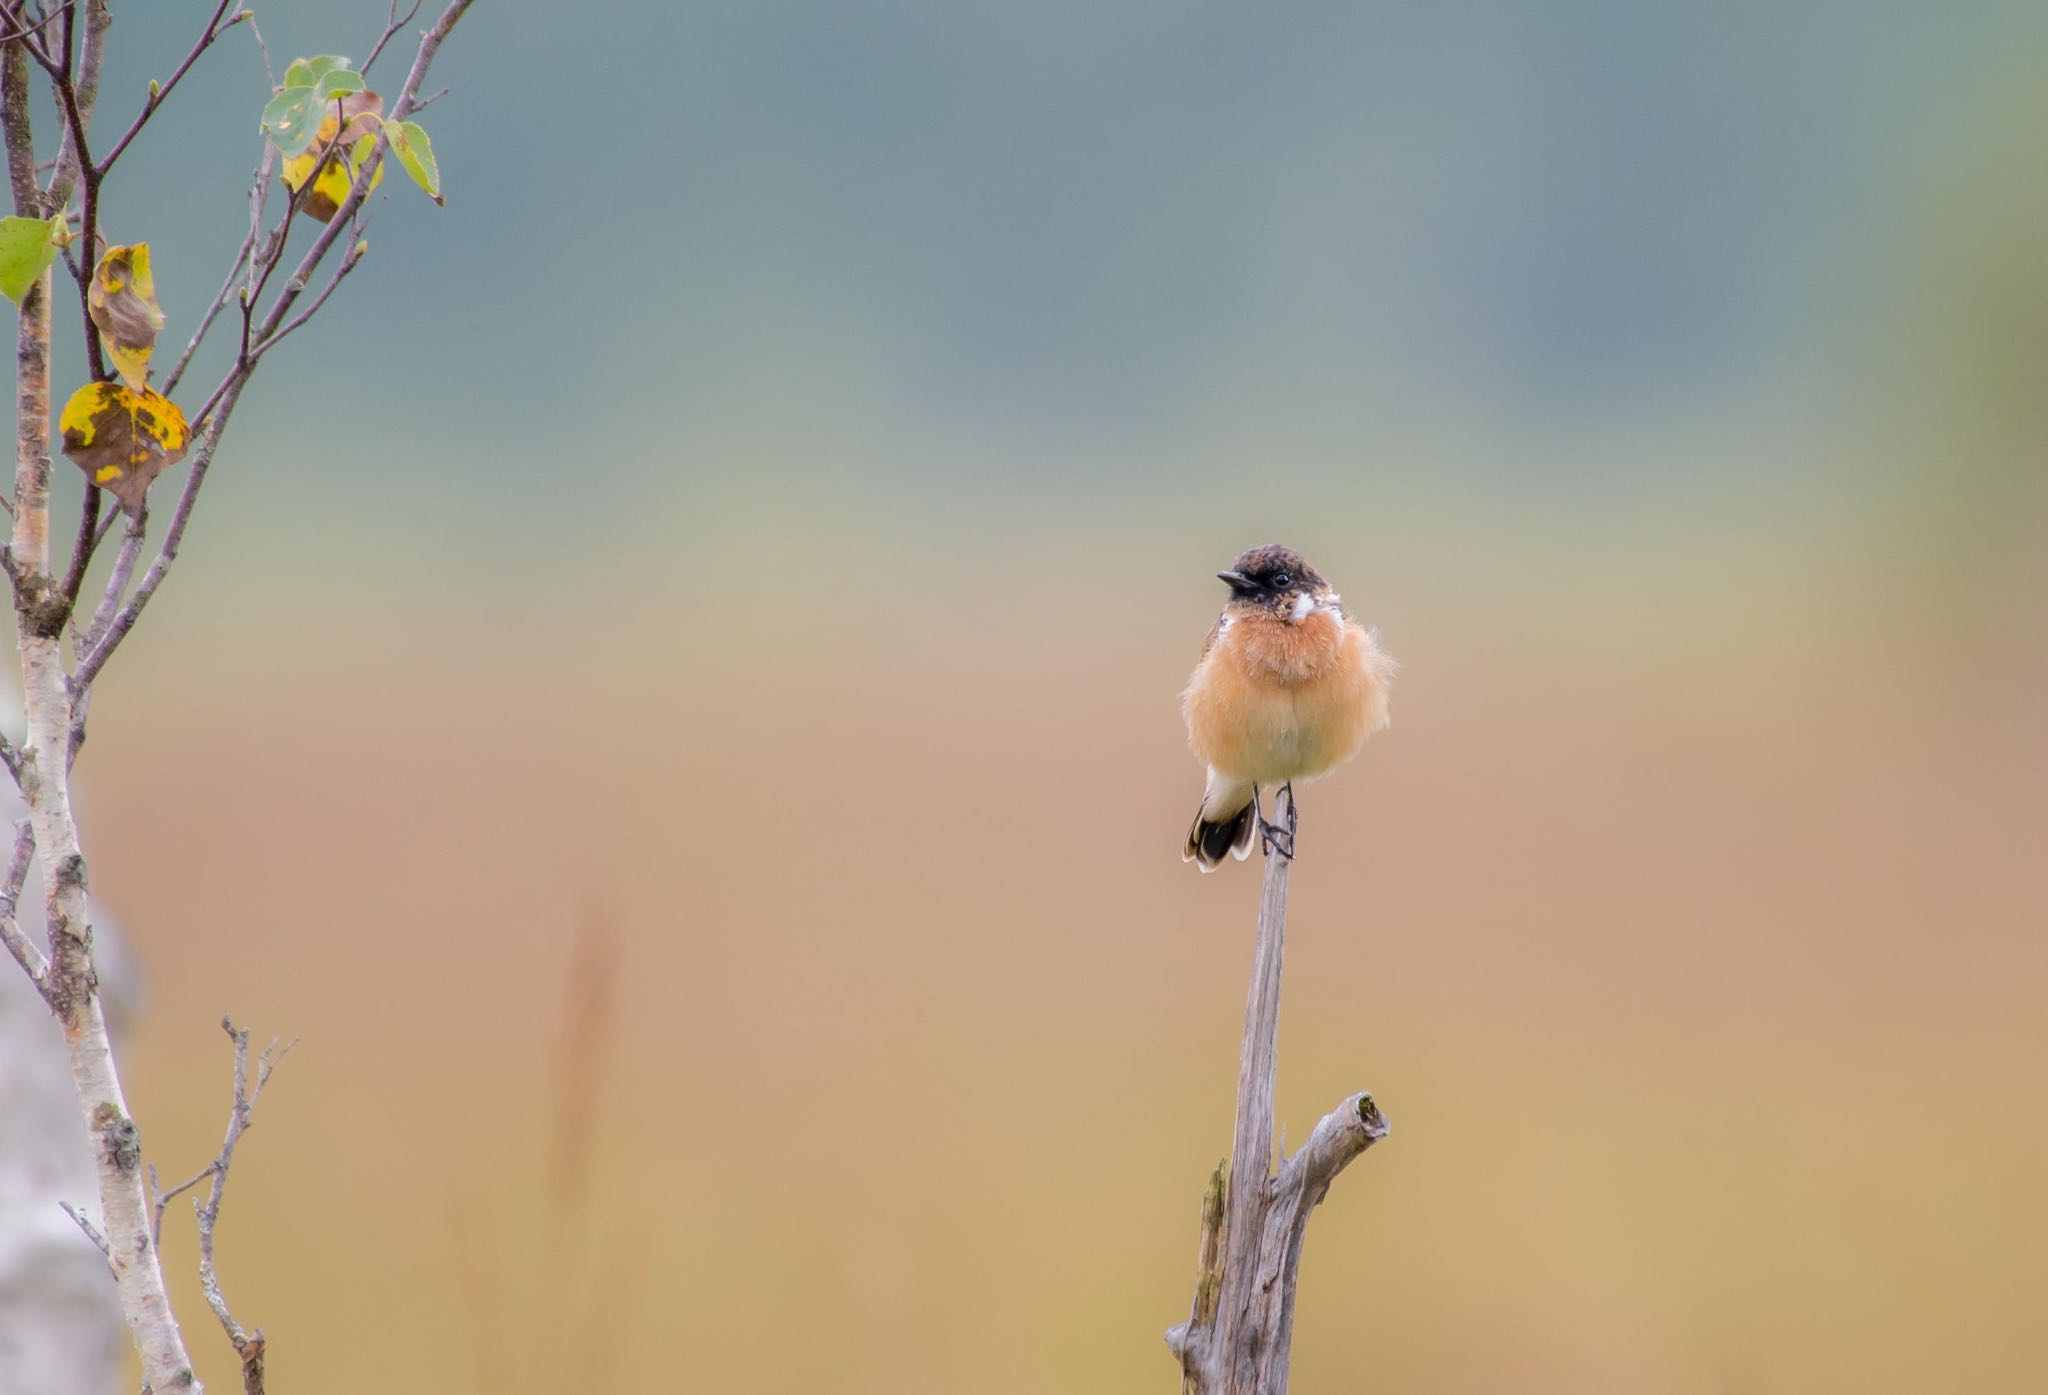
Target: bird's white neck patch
x=1305 y=606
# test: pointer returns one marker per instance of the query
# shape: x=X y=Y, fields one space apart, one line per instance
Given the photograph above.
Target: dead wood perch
x=1241 y=1323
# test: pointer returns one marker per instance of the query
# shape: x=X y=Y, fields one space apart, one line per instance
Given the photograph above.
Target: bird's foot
x=1272 y=837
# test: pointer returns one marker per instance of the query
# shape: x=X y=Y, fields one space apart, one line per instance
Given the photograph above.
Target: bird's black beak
x=1238 y=581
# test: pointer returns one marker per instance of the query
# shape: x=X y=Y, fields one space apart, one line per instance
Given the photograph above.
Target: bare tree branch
x=124 y=619
x=302 y=276
x=259 y=193
x=75 y=104
x=27 y=36
x=92 y=1232
x=19 y=944
x=1240 y=1326
x=394 y=22
x=92 y=56
x=220 y=404
x=269 y=73
x=82 y=550
x=56 y=703
x=29 y=29
x=70 y=162
x=82 y=644
x=18 y=863
x=349 y=261
x=158 y=94
x=248 y=1345
x=117 y=582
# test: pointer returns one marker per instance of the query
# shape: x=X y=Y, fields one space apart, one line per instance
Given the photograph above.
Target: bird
x=1288 y=688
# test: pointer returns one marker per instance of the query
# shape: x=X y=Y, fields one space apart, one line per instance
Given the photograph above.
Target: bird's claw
x=1275 y=839
x=1272 y=837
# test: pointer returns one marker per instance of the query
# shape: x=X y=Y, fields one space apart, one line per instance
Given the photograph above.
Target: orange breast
x=1274 y=701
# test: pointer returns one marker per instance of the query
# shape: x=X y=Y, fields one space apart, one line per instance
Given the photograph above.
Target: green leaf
x=307 y=72
x=291 y=118
x=350 y=121
x=332 y=85
x=27 y=247
x=409 y=142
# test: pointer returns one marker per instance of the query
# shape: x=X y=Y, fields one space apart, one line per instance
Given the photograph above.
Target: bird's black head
x=1271 y=575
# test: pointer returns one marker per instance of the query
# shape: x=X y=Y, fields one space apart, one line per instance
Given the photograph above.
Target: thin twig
x=259 y=189
x=164 y=1198
x=92 y=1231
x=302 y=276
x=214 y=29
x=248 y=1345
x=269 y=73
x=27 y=36
x=349 y=261
x=82 y=550
x=19 y=944
x=125 y=618
x=18 y=864
x=75 y=102
x=26 y=29
x=117 y=581
x=394 y=22
x=82 y=644
x=262 y=267
x=92 y=57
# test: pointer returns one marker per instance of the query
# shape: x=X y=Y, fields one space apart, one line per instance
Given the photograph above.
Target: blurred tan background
x=809 y=608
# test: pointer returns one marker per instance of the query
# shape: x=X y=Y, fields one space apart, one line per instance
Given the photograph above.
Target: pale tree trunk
x=1240 y=1327
x=67 y=980
x=60 y=1319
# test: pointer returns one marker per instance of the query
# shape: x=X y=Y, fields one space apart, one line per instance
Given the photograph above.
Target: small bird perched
x=1288 y=688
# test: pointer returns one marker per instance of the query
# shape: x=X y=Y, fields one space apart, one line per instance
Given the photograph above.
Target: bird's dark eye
x=1282 y=581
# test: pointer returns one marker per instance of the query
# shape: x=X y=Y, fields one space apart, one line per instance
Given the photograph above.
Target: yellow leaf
x=349 y=121
x=123 y=304
x=123 y=438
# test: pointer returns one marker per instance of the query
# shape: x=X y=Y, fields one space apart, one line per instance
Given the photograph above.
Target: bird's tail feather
x=1223 y=826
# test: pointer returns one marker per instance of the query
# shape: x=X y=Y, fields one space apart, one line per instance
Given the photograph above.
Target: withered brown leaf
x=123 y=438
x=123 y=304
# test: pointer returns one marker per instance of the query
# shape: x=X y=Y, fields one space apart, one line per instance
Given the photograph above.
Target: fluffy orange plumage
x=1288 y=689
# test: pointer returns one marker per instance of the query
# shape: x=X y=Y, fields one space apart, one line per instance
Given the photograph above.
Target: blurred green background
x=766 y=517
